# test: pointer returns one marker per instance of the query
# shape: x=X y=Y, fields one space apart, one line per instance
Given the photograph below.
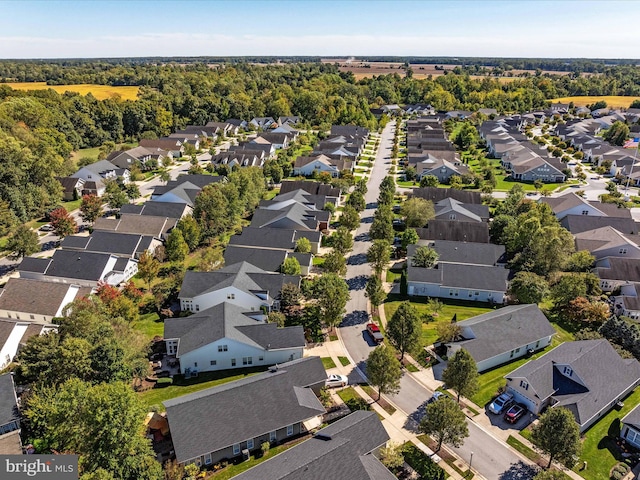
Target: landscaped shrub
x=421 y=463
x=619 y=471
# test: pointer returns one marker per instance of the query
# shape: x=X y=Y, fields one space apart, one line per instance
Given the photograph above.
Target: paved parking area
x=499 y=427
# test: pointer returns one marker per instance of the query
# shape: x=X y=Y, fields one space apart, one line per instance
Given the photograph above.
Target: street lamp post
x=470 y=461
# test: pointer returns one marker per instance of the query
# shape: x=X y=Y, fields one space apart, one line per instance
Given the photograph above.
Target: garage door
x=530 y=404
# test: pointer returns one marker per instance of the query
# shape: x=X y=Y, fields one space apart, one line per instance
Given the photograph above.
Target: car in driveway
x=374 y=332
x=46 y=228
x=336 y=380
x=515 y=413
x=435 y=397
x=501 y=403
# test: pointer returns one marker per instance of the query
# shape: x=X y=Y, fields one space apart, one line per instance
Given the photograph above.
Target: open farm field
x=101 y=92
x=612 y=100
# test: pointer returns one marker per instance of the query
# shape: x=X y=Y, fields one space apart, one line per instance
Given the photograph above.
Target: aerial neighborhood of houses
x=219 y=323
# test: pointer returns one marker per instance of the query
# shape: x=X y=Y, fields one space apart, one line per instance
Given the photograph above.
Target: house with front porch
x=588 y=377
x=233 y=419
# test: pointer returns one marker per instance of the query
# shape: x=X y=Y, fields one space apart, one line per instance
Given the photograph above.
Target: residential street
x=492 y=459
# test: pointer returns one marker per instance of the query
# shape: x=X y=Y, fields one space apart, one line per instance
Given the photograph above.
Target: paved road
x=491 y=458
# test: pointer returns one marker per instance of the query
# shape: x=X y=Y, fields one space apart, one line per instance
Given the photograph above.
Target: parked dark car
x=515 y=413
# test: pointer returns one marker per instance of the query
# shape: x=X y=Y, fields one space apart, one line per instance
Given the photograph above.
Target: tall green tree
x=424 y=257
x=290 y=266
x=106 y=430
x=114 y=195
x=529 y=287
x=378 y=255
x=190 y=231
x=617 y=134
x=445 y=422
x=342 y=241
x=404 y=329
x=148 y=268
x=334 y=262
x=22 y=242
x=374 y=291
x=349 y=218
x=356 y=200
x=417 y=212
x=176 y=247
x=384 y=371
x=63 y=224
x=461 y=374
x=557 y=434
x=408 y=237
x=303 y=245
x=331 y=294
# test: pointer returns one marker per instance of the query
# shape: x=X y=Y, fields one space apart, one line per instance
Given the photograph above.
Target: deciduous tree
x=374 y=291
x=190 y=231
x=176 y=247
x=90 y=208
x=303 y=245
x=404 y=329
x=383 y=370
x=148 y=268
x=342 y=241
x=461 y=374
x=290 y=266
x=417 y=212
x=63 y=224
x=331 y=293
x=22 y=242
x=378 y=255
x=529 y=287
x=445 y=422
x=425 y=257
x=349 y=218
x=558 y=435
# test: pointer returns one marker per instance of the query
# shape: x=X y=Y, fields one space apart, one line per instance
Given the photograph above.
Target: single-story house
x=242 y=284
x=344 y=449
x=307 y=166
x=268 y=259
x=455 y=230
x=498 y=337
x=36 y=300
x=131 y=223
x=440 y=168
x=86 y=269
x=226 y=337
x=275 y=238
x=614 y=272
x=588 y=377
x=102 y=170
x=115 y=243
x=572 y=204
x=452 y=209
x=608 y=242
x=221 y=422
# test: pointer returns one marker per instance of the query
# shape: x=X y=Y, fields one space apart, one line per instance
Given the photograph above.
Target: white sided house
x=498 y=337
x=631 y=427
x=227 y=336
x=241 y=284
x=587 y=377
x=14 y=334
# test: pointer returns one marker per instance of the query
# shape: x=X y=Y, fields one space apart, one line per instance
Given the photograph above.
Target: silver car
x=336 y=381
x=501 y=403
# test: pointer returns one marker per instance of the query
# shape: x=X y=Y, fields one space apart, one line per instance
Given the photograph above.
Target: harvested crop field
x=101 y=92
x=612 y=101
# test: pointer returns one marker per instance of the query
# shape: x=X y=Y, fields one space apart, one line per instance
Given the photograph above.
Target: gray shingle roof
x=137 y=224
x=215 y=418
x=273 y=237
x=269 y=260
x=293 y=216
x=227 y=320
x=242 y=275
x=633 y=418
x=457 y=231
x=463 y=252
x=605 y=375
x=339 y=451
x=115 y=243
x=8 y=404
x=80 y=265
x=504 y=329
x=582 y=223
x=35 y=296
x=475 y=277
x=157 y=209
x=449 y=206
x=436 y=194
x=626 y=269
x=314 y=188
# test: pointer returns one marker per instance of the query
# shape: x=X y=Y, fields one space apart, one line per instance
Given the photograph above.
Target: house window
x=197 y=308
x=517 y=349
x=32 y=317
x=250 y=444
x=633 y=436
x=207 y=459
x=272 y=436
x=233 y=362
x=212 y=362
x=222 y=348
x=623 y=251
x=247 y=360
x=567 y=371
x=524 y=385
x=289 y=430
x=236 y=449
x=452 y=216
x=195 y=364
x=231 y=296
x=511 y=354
x=261 y=358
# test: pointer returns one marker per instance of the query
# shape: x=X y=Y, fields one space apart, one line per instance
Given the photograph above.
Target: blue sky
x=120 y=28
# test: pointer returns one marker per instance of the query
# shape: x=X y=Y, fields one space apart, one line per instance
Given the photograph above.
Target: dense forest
x=40 y=129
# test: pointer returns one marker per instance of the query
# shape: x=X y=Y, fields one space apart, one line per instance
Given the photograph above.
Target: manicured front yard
x=598 y=447
x=327 y=363
x=462 y=309
x=181 y=386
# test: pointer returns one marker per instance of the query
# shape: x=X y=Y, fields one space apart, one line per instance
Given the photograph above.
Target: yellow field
x=101 y=92
x=612 y=101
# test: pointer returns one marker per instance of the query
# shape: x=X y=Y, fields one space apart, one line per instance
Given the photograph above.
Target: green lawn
x=491 y=380
x=393 y=276
x=327 y=363
x=598 y=449
x=462 y=309
x=523 y=449
x=149 y=324
x=180 y=386
x=344 y=361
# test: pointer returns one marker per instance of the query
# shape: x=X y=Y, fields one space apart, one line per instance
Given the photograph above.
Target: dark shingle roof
x=519 y=325
x=242 y=275
x=267 y=259
x=212 y=419
x=8 y=403
x=456 y=231
x=633 y=417
x=339 y=451
x=227 y=320
x=463 y=252
x=582 y=223
x=475 y=277
x=157 y=209
x=80 y=265
x=35 y=296
x=109 y=242
x=315 y=188
x=273 y=237
x=137 y=224
x=627 y=269
x=605 y=375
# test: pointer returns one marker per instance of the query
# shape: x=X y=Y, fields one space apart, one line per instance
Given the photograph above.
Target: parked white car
x=336 y=381
x=501 y=403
